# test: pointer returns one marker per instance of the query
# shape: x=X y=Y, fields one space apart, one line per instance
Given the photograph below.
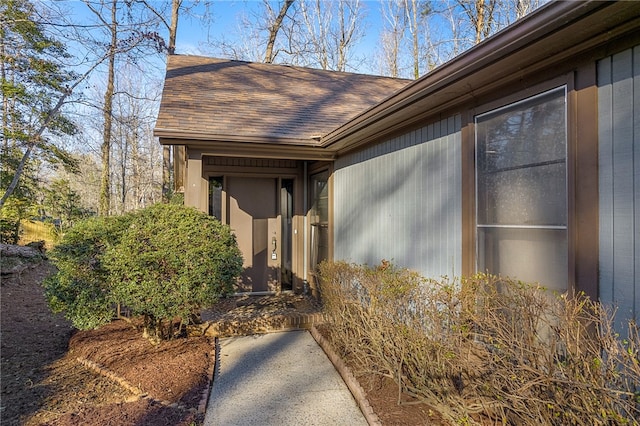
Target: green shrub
x=171 y=262
x=163 y=263
x=81 y=287
x=9 y=231
x=484 y=349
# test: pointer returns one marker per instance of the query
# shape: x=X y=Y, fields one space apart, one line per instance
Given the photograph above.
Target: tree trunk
x=273 y=31
x=480 y=11
x=166 y=149
x=416 y=39
x=105 y=151
x=173 y=27
x=5 y=100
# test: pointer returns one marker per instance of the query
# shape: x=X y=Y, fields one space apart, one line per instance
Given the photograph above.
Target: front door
x=253 y=216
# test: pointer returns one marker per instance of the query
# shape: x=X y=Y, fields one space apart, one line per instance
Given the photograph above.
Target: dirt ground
x=54 y=375
x=110 y=376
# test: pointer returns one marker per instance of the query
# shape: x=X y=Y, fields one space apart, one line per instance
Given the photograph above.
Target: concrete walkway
x=278 y=379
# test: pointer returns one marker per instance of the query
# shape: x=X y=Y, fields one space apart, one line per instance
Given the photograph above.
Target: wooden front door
x=253 y=216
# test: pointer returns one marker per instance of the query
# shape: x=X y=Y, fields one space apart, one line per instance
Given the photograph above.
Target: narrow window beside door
x=215 y=197
x=319 y=218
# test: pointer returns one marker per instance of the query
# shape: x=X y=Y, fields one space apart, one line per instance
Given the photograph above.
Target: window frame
x=512 y=102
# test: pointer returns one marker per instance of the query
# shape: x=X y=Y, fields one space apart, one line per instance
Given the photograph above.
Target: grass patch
x=32 y=230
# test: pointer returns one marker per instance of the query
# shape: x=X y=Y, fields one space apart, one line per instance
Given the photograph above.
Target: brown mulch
x=54 y=375
x=110 y=376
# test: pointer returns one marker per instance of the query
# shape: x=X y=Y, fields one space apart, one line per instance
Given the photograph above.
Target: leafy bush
x=9 y=231
x=485 y=349
x=82 y=288
x=172 y=261
x=162 y=263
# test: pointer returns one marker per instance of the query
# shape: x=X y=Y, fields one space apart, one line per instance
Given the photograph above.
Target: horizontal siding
x=401 y=200
x=619 y=182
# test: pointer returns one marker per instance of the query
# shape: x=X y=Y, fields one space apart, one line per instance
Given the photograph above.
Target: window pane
x=524 y=196
x=521 y=153
x=530 y=255
x=319 y=218
x=215 y=197
x=286 y=210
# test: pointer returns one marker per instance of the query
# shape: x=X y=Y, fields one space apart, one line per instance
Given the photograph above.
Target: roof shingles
x=218 y=97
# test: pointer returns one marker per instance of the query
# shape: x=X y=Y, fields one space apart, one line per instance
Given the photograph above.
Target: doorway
x=259 y=210
x=253 y=217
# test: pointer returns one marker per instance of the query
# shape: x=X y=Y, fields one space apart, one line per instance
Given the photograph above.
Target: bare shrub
x=484 y=348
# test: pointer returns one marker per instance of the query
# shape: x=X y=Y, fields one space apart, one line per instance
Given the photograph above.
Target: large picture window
x=521 y=187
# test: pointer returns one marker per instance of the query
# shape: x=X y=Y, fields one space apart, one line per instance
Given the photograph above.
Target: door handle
x=274 y=244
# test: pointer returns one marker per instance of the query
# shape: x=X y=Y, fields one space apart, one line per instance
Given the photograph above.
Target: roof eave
x=187 y=137
x=247 y=147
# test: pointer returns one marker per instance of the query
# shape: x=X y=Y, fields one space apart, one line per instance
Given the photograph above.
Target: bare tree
x=269 y=55
x=415 y=12
x=333 y=28
x=349 y=27
x=392 y=34
x=125 y=35
x=453 y=26
x=105 y=180
x=512 y=10
x=172 y=27
x=134 y=115
x=481 y=16
x=270 y=35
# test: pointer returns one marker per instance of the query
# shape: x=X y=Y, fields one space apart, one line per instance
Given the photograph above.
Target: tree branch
x=35 y=138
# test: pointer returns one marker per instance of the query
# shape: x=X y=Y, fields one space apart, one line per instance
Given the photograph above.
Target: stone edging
x=285 y=322
x=348 y=377
x=137 y=392
x=302 y=321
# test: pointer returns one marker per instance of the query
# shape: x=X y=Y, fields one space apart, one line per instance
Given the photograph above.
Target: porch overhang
x=247 y=147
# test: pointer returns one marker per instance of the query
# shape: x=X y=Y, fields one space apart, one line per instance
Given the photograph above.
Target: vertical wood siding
x=619 y=181
x=401 y=201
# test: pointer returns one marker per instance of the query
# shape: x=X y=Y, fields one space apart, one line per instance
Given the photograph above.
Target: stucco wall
x=619 y=181
x=401 y=201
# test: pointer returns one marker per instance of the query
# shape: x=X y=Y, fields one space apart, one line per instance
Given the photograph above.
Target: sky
x=223 y=23
x=224 y=17
x=227 y=13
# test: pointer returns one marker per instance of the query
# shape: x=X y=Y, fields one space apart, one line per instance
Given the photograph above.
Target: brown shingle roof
x=215 y=98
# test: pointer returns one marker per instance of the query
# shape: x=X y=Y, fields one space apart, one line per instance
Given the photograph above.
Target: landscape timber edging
x=206 y=393
x=137 y=392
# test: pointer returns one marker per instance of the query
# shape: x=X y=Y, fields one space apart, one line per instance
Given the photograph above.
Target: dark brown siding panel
x=585 y=181
x=468 y=196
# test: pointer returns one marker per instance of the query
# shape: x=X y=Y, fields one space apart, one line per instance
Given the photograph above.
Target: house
x=518 y=157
